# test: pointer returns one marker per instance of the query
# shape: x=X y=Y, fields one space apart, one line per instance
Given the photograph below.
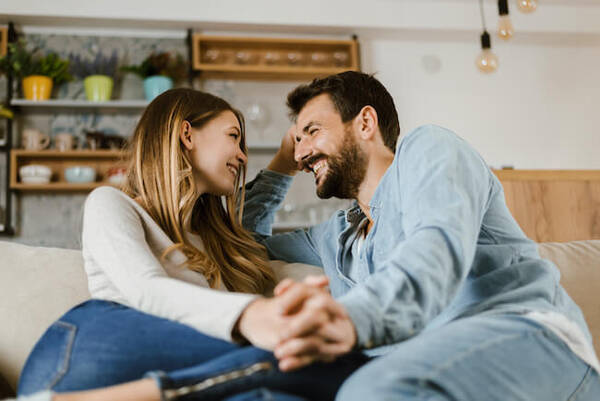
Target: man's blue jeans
x=479 y=358
x=101 y=343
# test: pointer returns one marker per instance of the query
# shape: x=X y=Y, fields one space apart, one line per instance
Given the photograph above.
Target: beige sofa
x=37 y=285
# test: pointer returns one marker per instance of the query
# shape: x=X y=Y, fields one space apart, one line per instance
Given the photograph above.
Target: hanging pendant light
x=505 y=26
x=527 y=6
x=487 y=61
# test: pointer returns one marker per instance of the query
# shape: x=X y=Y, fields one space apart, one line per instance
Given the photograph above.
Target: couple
x=430 y=289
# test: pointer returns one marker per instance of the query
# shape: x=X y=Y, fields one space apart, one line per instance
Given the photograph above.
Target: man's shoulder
x=429 y=132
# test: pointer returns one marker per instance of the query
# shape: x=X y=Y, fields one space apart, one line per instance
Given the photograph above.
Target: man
x=428 y=269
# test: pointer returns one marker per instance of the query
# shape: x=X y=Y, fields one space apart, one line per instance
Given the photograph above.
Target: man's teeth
x=318 y=167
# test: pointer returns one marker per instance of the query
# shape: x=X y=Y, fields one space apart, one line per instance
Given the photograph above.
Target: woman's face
x=216 y=154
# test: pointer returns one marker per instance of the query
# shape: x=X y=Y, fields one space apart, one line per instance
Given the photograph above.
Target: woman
x=172 y=273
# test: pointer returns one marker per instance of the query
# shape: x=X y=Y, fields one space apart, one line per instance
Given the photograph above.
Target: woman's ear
x=185 y=135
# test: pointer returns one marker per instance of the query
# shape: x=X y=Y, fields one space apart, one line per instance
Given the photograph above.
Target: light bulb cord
x=482 y=15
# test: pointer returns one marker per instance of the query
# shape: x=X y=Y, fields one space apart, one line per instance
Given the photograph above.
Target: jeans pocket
x=49 y=360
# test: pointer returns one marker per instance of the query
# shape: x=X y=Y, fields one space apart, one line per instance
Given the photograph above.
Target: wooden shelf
x=272 y=58
x=86 y=153
x=100 y=160
x=547 y=175
x=58 y=186
x=78 y=106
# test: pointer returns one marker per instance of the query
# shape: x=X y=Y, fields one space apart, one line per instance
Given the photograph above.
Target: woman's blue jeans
x=102 y=343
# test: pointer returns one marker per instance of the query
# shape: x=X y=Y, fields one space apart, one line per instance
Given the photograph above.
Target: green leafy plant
x=21 y=63
x=172 y=66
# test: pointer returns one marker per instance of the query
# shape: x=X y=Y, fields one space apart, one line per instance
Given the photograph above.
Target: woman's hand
x=283 y=162
x=262 y=322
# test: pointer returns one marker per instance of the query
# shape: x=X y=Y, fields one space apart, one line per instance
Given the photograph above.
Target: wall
x=538 y=111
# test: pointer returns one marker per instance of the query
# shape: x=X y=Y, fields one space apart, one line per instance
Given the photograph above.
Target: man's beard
x=345 y=171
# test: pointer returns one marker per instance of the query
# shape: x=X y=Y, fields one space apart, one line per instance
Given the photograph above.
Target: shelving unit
x=57 y=161
x=234 y=57
x=100 y=160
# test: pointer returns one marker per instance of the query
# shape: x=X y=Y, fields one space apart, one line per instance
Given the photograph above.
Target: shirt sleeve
x=264 y=196
x=444 y=187
x=113 y=236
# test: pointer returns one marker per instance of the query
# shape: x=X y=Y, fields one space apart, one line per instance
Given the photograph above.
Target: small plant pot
x=37 y=87
x=98 y=88
x=155 y=85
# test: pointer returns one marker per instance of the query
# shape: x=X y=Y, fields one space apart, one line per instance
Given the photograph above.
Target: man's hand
x=318 y=329
x=283 y=162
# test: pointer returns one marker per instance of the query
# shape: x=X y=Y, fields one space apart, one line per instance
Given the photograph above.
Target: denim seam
x=220 y=378
x=67 y=357
x=582 y=384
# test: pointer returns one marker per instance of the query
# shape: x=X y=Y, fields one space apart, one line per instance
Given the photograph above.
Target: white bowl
x=80 y=174
x=35 y=180
x=35 y=172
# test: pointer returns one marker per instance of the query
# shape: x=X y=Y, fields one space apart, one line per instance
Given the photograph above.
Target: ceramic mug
x=64 y=141
x=34 y=139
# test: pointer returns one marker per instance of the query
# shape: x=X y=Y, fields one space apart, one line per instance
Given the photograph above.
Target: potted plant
x=159 y=71
x=38 y=72
x=97 y=74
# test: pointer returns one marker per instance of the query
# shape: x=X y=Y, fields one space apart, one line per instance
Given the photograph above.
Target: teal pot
x=98 y=88
x=155 y=85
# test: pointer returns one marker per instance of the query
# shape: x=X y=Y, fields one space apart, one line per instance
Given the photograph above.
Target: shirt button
x=369 y=344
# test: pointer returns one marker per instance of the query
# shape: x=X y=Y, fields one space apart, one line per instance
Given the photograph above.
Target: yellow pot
x=37 y=87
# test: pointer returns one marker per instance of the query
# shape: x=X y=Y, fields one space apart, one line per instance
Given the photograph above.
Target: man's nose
x=302 y=150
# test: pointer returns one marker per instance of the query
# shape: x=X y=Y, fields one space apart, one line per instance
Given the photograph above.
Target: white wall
x=541 y=109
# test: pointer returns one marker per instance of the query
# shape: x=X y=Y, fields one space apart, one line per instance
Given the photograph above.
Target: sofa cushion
x=579 y=265
x=37 y=285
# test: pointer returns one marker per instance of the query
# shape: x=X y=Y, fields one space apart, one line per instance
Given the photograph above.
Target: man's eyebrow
x=308 y=126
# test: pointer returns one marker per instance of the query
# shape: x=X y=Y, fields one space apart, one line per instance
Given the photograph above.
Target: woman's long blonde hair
x=160 y=177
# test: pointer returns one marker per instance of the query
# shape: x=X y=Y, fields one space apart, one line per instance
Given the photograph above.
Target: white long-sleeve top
x=122 y=246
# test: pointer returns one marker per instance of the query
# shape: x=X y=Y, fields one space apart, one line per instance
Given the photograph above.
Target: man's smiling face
x=327 y=147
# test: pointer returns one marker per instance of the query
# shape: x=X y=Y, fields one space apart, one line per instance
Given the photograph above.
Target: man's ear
x=185 y=135
x=366 y=122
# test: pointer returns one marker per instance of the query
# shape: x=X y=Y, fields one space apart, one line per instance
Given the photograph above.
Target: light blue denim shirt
x=443 y=244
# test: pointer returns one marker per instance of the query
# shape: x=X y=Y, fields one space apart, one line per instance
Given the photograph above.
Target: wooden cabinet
x=272 y=58
x=554 y=205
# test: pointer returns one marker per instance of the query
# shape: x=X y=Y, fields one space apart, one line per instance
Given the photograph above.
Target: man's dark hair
x=350 y=91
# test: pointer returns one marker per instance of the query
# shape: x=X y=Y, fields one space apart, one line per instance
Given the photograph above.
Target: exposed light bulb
x=486 y=61
x=505 y=26
x=527 y=6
